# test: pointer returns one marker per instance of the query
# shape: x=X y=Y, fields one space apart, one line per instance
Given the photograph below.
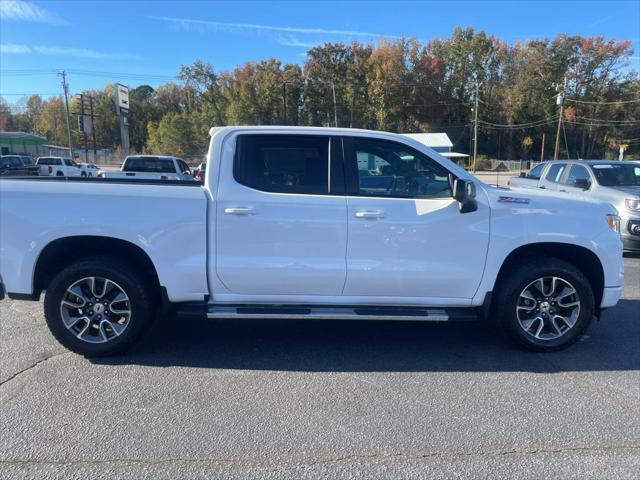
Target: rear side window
x=56 y=161
x=184 y=168
x=283 y=163
x=148 y=164
x=44 y=161
x=536 y=172
x=11 y=161
x=555 y=172
x=578 y=172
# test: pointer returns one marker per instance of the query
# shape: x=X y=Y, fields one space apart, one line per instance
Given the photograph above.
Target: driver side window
x=391 y=169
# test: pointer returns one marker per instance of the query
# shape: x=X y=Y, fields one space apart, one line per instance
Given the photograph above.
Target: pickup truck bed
x=164 y=219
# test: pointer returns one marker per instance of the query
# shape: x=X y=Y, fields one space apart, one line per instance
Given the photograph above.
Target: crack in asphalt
x=32 y=366
x=382 y=457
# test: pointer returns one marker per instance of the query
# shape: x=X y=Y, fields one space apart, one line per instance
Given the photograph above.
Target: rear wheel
x=59 y=174
x=545 y=305
x=98 y=306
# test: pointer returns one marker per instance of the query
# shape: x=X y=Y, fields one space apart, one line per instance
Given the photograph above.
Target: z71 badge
x=505 y=199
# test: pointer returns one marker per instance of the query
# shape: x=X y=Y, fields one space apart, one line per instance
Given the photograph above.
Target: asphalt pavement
x=317 y=399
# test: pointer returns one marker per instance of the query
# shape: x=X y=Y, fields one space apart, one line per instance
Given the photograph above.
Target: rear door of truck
x=281 y=225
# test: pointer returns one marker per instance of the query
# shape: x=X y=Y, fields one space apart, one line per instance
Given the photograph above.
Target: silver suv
x=612 y=181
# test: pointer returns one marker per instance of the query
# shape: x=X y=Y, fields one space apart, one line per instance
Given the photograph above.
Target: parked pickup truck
x=287 y=225
x=151 y=167
x=58 y=167
x=614 y=182
x=15 y=165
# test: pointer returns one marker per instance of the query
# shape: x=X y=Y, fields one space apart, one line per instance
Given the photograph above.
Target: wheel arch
x=59 y=253
x=580 y=257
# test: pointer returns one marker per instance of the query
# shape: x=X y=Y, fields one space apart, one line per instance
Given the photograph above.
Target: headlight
x=614 y=222
x=632 y=204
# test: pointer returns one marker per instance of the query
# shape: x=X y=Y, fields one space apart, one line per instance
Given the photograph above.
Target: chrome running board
x=331 y=313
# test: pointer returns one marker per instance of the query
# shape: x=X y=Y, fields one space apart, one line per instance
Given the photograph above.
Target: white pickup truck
x=58 y=167
x=151 y=167
x=308 y=223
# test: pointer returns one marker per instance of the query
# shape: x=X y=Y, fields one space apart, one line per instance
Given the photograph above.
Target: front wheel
x=98 y=306
x=545 y=305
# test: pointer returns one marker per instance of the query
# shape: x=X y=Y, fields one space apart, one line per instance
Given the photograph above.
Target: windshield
x=617 y=174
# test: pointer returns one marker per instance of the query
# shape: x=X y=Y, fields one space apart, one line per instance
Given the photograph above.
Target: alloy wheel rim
x=548 y=308
x=95 y=309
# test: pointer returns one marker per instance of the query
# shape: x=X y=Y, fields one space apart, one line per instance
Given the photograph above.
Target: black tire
x=505 y=301
x=83 y=174
x=136 y=286
x=59 y=174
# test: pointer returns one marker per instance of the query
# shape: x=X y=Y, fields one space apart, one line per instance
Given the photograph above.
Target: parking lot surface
x=309 y=399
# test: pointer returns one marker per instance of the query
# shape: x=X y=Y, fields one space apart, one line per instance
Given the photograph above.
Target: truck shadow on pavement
x=611 y=344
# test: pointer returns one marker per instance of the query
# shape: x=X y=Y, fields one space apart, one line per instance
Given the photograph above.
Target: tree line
x=397 y=85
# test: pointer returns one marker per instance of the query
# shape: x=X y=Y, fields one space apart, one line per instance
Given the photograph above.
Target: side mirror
x=464 y=192
x=523 y=175
x=582 y=183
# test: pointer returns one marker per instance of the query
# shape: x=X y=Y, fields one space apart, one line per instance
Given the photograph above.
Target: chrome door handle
x=370 y=214
x=240 y=211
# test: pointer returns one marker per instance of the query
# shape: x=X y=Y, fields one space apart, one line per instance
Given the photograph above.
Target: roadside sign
x=84 y=123
x=122 y=98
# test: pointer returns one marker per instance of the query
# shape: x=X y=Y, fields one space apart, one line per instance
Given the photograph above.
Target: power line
x=606 y=120
x=519 y=125
x=27 y=94
x=637 y=100
x=605 y=124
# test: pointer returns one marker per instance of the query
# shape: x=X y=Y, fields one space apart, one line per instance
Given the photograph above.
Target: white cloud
x=14 y=48
x=17 y=49
x=28 y=12
x=290 y=41
x=270 y=28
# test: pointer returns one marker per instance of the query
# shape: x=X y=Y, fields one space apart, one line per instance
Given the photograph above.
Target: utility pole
x=83 y=128
x=284 y=102
x=542 y=149
x=475 y=127
x=93 y=130
x=335 y=108
x=559 y=101
x=65 y=89
x=353 y=105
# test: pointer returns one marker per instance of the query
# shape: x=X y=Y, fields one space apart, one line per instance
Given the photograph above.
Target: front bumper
x=630 y=233
x=610 y=296
x=630 y=243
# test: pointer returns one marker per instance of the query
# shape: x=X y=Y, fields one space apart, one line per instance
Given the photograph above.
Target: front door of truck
x=407 y=237
x=281 y=226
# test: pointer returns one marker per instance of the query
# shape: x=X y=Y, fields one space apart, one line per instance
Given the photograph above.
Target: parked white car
x=58 y=167
x=152 y=167
x=615 y=182
x=288 y=225
x=89 y=170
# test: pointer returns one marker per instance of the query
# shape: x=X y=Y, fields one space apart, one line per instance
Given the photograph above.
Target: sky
x=141 y=42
